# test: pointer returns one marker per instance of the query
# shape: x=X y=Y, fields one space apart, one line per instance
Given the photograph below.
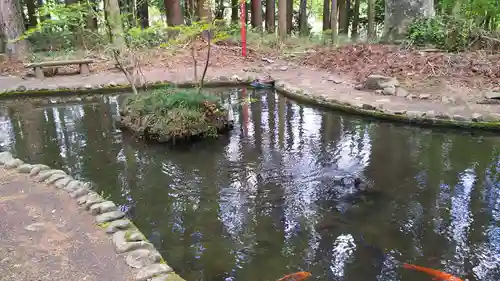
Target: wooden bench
x=37 y=66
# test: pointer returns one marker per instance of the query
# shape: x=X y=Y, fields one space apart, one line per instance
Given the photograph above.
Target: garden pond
x=261 y=202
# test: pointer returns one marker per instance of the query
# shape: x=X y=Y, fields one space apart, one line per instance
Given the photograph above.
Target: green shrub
x=174 y=113
x=447 y=33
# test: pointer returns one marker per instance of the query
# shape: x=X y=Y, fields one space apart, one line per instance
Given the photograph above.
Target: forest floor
x=434 y=80
x=46 y=237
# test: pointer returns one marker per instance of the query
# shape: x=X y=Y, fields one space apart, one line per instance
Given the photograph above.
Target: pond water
x=261 y=202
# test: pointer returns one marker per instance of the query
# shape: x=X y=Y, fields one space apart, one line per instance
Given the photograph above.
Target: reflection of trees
x=439 y=198
x=52 y=147
x=27 y=124
x=99 y=153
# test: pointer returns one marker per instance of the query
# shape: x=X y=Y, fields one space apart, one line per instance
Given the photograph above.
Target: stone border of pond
x=486 y=122
x=127 y=239
x=113 y=88
x=424 y=119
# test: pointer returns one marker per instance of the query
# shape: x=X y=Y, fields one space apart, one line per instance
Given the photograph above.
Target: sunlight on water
x=262 y=202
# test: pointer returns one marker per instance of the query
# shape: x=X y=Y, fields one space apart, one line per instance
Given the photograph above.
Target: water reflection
x=261 y=202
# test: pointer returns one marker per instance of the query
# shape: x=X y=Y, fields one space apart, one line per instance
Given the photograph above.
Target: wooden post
x=39 y=72
x=84 y=69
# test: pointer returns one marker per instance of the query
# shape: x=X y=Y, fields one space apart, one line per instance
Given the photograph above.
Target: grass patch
x=171 y=113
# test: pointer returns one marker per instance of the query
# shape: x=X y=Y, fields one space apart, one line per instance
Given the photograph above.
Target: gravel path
x=44 y=236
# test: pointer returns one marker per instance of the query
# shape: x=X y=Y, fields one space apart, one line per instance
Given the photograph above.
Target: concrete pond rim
x=421 y=119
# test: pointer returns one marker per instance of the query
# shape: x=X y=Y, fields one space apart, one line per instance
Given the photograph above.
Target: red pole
x=243 y=28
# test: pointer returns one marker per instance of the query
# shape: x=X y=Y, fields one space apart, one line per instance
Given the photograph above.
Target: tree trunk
x=114 y=22
x=143 y=13
x=289 y=16
x=189 y=11
x=131 y=14
x=371 y=20
x=12 y=26
x=342 y=16
x=219 y=9
x=30 y=5
x=234 y=12
x=304 y=30
x=91 y=17
x=334 y=21
x=326 y=15
x=174 y=12
x=355 y=20
x=399 y=13
x=270 y=16
x=282 y=20
x=204 y=12
x=256 y=14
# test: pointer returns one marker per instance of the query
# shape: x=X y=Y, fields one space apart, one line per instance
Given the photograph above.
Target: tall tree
x=143 y=13
x=256 y=14
x=282 y=30
x=342 y=11
x=304 y=30
x=234 y=11
x=371 y=20
x=355 y=20
x=92 y=15
x=334 y=21
x=11 y=26
x=398 y=13
x=174 y=12
x=114 y=22
x=30 y=6
x=326 y=15
x=289 y=16
x=203 y=10
x=270 y=16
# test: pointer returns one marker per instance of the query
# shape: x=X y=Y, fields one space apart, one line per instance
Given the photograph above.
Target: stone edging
x=403 y=116
x=127 y=239
x=117 y=88
x=429 y=118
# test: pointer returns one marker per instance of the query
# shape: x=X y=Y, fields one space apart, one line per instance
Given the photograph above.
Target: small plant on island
x=171 y=115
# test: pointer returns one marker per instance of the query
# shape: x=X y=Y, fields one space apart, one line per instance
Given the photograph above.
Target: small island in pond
x=173 y=115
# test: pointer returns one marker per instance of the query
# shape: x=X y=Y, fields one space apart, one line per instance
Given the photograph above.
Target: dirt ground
x=436 y=82
x=45 y=237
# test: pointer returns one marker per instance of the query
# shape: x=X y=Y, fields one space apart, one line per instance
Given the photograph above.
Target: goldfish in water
x=297 y=276
x=438 y=275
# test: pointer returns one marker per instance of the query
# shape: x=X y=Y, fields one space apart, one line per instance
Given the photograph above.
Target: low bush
x=170 y=114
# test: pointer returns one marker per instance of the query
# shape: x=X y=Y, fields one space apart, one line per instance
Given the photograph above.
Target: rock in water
x=142 y=257
x=102 y=207
x=13 y=163
x=25 y=168
x=4 y=157
x=152 y=270
x=110 y=216
x=122 y=246
x=117 y=225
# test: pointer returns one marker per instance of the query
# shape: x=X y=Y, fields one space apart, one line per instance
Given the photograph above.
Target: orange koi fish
x=438 y=275
x=297 y=276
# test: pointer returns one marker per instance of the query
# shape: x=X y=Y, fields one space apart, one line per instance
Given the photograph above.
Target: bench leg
x=84 y=69
x=39 y=73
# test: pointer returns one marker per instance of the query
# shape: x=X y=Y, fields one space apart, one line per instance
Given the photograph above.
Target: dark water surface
x=261 y=202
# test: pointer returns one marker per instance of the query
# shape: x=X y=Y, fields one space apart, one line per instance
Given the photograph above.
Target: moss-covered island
x=171 y=115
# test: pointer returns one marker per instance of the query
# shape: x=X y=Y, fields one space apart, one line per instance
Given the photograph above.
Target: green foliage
x=153 y=36
x=186 y=34
x=171 y=113
x=427 y=31
x=62 y=27
x=447 y=33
